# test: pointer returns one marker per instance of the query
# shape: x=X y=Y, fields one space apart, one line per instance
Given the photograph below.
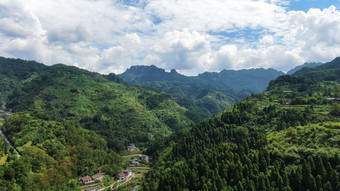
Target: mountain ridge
x=307 y=65
x=202 y=93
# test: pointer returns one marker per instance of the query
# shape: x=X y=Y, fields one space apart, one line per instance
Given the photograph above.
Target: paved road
x=122 y=182
x=4 y=136
x=125 y=180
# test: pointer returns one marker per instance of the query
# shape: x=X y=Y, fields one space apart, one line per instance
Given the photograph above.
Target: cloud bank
x=189 y=35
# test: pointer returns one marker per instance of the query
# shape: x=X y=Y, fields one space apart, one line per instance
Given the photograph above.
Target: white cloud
x=16 y=21
x=318 y=33
x=234 y=57
x=183 y=50
x=188 y=35
x=214 y=15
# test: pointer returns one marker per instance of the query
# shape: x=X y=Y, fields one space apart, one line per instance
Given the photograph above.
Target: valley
x=169 y=131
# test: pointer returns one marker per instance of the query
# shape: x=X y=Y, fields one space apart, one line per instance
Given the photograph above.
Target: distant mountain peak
x=173 y=71
x=145 y=68
x=305 y=65
x=336 y=60
x=150 y=73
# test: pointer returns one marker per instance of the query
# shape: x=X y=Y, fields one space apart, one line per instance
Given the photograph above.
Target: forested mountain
x=70 y=122
x=287 y=138
x=206 y=94
x=13 y=71
x=305 y=65
x=99 y=102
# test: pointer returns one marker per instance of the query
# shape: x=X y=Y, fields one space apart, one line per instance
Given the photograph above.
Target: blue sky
x=191 y=36
x=305 y=5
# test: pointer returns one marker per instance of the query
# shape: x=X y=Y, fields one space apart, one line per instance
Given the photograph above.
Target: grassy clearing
x=3 y=160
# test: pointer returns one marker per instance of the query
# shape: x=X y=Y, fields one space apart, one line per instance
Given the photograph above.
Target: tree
x=335 y=109
x=311 y=183
x=328 y=187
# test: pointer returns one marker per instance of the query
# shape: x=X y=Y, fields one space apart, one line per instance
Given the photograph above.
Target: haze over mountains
x=208 y=93
x=252 y=80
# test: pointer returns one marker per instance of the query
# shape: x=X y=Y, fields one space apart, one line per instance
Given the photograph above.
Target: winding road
x=120 y=183
x=5 y=138
x=9 y=143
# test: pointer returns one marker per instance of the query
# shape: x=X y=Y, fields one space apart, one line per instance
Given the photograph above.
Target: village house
x=333 y=99
x=7 y=113
x=99 y=176
x=120 y=176
x=287 y=92
x=90 y=188
x=87 y=180
x=143 y=158
x=131 y=147
x=127 y=172
x=134 y=163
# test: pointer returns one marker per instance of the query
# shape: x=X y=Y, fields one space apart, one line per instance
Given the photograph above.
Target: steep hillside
x=54 y=154
x=287 y=138
x=206 y=94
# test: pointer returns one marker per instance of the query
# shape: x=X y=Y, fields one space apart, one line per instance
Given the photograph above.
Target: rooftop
x=86 y=178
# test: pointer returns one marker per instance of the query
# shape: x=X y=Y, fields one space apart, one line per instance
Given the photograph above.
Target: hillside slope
x=287 y=138
x=121 y=113
x=69 y=123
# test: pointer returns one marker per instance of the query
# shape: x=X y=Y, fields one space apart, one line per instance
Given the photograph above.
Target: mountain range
x=68 y=123
x=206 y=94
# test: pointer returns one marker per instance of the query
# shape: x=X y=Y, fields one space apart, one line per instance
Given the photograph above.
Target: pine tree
x=287 y=188
x=320 y=169
x=328 y=187
x=306 y=172
x=296 y=179
x=338 y=186
x=318 y=181
x=280 y=183
x=311 y=183
x=262 y=183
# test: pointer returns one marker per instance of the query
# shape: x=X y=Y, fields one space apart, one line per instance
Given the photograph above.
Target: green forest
x=286 y=138
x=67 y=123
